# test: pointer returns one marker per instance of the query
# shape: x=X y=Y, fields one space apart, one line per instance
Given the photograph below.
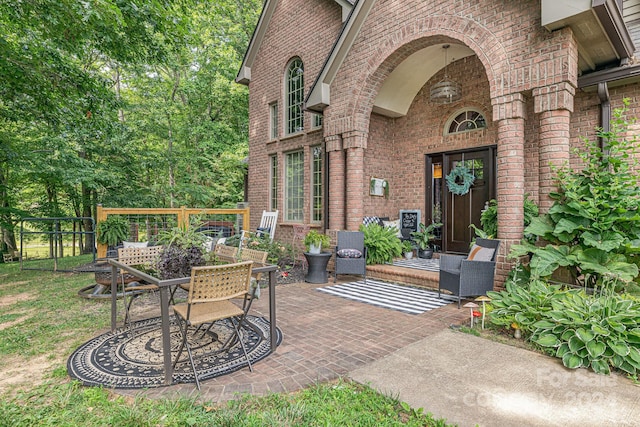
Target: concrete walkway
x=473 y=381
x=419 y=359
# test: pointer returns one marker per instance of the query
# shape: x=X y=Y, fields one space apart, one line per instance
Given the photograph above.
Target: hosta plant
x=599 y=331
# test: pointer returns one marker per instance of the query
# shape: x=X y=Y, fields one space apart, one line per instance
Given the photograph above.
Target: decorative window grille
x=273 y=190
x=294 y=186
x=273 y=120
x=466 y=121
x=295 y=96
x=316 y=185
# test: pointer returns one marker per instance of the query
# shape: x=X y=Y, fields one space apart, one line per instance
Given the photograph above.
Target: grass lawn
x=42 y=320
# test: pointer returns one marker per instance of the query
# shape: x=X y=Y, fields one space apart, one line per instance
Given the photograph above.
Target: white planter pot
x=314 y=249
x=408 y=255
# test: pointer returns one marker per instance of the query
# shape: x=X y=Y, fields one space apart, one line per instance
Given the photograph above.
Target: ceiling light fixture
x=445 y=91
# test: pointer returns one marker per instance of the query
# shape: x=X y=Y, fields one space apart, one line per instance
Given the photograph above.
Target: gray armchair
x=465 y=277
x=350 y=264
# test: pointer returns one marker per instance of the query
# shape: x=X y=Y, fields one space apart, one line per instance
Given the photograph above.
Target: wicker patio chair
x=350 y=254
x=256 y=256
x=225 y=253
x=470 y=275
x=145 y=257
x=210 y=293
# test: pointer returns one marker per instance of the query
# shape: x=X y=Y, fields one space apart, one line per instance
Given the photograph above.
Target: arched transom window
x=466 y=121
x=295 y=96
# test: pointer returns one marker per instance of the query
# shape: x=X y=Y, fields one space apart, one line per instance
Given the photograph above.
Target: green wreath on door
x=460 y=179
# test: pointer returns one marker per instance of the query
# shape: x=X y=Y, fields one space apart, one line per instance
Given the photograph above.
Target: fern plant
x=383 y=244
x=113 y=230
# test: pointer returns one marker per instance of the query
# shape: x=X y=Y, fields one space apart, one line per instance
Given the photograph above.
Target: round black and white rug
x=132 y=357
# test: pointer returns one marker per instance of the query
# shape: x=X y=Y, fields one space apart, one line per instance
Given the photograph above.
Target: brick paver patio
x=324 y=338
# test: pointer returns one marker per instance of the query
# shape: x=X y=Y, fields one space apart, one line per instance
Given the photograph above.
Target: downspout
x=325 y=209
x=605 y=112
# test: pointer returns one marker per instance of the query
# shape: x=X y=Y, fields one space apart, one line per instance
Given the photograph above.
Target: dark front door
x=457 y=212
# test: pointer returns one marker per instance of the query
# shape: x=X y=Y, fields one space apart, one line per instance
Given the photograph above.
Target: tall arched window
x=295 y=96
x=466 y=121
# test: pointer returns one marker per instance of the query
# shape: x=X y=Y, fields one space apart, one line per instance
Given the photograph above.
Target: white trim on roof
x=320 y=94
x=269 y=7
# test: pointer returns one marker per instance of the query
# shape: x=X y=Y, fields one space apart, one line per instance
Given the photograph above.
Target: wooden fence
x=182 y=216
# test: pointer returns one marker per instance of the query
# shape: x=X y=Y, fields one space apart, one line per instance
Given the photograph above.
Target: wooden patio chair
x=267 y=227
x=210 y=293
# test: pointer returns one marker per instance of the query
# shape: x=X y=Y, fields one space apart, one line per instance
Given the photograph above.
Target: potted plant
x=183 y=250
x=315 y=241
x=113 y=230
x=382 y=243
x=407 y=249
x=423 y=238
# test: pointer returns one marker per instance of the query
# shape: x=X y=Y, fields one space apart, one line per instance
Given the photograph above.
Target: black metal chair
x=465 y=277
x=349 y=244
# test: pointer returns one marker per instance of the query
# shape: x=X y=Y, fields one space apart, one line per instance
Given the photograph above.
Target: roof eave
x=320 y=94
x=244 y=74
x=611 y=18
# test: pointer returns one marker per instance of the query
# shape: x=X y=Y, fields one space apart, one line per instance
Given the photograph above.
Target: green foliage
x=113 y=230
x=600 y=331
x=279 y=253
x=182 y=236
x=128 y=105
x=425 y=234
x=489 y=219
x=593 y=227
x=313 y=237
x=382 y=243
x=406 y=246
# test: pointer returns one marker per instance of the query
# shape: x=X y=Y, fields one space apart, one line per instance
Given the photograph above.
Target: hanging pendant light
x=445 y=91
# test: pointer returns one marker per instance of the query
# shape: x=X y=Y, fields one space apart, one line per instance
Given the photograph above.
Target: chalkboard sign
x=409 y=219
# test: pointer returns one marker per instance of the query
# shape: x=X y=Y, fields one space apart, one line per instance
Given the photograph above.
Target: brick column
x=336 y=220
x=509 y=114
x=554 y=103
x=354 y=144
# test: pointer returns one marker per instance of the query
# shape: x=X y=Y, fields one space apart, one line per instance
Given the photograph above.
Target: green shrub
x=489 y=219
x=279 y=253
x=382 y=243
x=593 y=228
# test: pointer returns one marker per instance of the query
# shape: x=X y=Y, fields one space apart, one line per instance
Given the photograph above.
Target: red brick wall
x=514 y=55
x=302 y=28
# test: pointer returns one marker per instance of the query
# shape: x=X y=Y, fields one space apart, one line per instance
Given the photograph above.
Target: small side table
x=317 y=271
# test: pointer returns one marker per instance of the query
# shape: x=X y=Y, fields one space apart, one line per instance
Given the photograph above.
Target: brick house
x=343 y=91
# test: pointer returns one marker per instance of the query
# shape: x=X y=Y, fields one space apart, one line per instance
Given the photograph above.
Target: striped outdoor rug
x=389 y=295
x=419 y=263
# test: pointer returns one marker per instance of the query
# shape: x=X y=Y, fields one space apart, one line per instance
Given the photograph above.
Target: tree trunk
x=87 y=224
x=6 y=222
